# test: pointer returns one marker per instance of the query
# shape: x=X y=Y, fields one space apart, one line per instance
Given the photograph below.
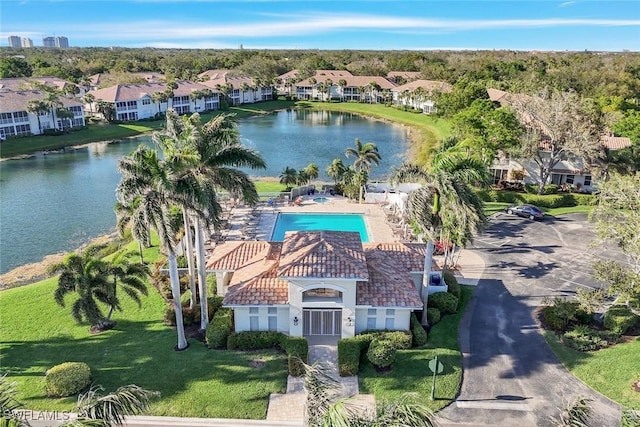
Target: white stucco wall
x=401 y=318
x=242 y=318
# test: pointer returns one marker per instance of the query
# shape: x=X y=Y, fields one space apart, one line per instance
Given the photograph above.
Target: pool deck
x=247 y=223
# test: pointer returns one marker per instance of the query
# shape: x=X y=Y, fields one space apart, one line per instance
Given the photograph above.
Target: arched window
x=321 y=295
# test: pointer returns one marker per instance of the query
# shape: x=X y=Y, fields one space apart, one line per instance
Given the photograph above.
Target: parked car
x=525 y=211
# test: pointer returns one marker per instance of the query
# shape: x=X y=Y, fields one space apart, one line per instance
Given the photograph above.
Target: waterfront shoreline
x=36 y=271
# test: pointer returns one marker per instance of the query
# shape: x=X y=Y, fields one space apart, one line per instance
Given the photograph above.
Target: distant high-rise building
x=14 y=41
x=27 y=42
x=49 y=42
x=62 y=42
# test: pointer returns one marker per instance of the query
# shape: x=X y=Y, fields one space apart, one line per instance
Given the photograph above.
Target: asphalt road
x=511 y=376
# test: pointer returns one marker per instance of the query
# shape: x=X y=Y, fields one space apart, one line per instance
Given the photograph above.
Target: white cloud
x=567 y=3
x=300 y=25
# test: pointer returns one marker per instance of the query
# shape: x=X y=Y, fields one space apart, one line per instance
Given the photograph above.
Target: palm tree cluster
x=196 y=161
x=290 y=177
x=354 y=178
x=95 y=281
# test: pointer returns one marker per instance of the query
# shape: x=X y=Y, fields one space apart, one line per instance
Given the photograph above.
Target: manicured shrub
x=349 y=350
x=295 y=346
x=433 y=315
x=253 y=340
x=381 y=353
x=219 y=329
x=453 y=287
x=214 y=303
x=583 y=338
x=619 y=319
x=400 y=339
x=418 y=333
x=189 y=315
x=444 y=301
x=67 y=379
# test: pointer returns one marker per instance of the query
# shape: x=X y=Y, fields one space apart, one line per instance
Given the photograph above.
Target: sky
x=549 y=25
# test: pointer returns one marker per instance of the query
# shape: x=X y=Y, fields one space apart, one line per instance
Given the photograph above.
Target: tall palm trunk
x=140 y=252
x=192 y=273
x=175 y=293
x=426 y=280
x=202 y=277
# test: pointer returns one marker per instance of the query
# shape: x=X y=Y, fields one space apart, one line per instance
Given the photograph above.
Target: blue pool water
x=316 y=222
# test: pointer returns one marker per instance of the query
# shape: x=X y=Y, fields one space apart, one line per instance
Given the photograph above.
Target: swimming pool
x=316 y=222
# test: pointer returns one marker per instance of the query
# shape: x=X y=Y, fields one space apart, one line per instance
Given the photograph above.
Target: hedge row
x=544 y=201
x=192 y=315
x=219 y=329
x=297 y=348
x=453 y=287
x=444 y=301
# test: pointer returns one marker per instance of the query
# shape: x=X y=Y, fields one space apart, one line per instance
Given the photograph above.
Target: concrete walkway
x=290 y=406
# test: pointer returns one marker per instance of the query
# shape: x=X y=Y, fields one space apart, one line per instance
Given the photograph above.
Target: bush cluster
x=619 y=319
x=297 y=348
x=418 y=333
x=453 y=287
x=219 y=329
x=400 y=339
x=350 y=349
x=444 y=301
x=381 y=353
x=67 y=379
x=433 y=315
x=192 y=315
x=562 y=314
x=583 y=338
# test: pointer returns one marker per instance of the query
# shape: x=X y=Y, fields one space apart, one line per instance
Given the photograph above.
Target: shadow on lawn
x=143 y=353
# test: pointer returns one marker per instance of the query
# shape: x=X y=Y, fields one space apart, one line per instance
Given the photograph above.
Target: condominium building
x=62 y=42
x=14 y=41
x=27 y=42
x=49 y=42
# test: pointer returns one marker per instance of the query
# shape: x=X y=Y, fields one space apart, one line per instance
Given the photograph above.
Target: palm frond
x=112 y=408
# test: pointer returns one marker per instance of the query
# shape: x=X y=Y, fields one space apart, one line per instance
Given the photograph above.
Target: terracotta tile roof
x=23 y=83
x=407 y=75
x=12 y=101
x=352 y=81
x=388 y=286
x=323 y=254
x=257 y=283
x=232 y=255
x=428 y=85
x=615 y=142
x=132 y=92
x=408 y=256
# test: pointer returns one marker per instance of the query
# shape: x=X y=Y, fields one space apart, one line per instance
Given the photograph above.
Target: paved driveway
x=511 y=377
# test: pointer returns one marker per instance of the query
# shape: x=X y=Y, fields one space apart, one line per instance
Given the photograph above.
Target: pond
x=59 y=201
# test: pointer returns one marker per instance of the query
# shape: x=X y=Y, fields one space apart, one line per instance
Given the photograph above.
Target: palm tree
x=130 y=277
x=9 y=405
x=219 y=153
x=364 y=155
x=288 y=176
x=37 y=106
x=302 y=178
x=87 y=276
x=342 y=83
x=156 y=185
x=335 y=170
x=89 y=99
x=312 y=171
x=444 y=204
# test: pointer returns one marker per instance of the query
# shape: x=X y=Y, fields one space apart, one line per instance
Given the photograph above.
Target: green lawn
x=609 y=371
x=493 y=207
x=410 y=371
x=36 y=334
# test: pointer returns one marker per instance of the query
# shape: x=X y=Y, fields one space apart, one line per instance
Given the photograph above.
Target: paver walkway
x=290 y=406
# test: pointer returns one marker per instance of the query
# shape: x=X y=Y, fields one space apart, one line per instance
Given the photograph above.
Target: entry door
x=322 y=322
